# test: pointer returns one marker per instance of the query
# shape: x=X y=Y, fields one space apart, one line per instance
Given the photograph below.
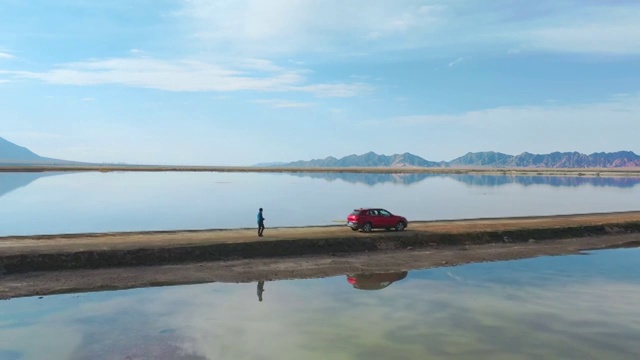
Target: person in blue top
x=260 y=222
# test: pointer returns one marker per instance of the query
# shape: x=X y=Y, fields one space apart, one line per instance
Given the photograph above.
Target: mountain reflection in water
x=89 y=202
x=13 y=181
x=477 y=180
x=375 y=281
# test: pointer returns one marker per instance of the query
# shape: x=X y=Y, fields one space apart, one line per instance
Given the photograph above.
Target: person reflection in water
x=260 y=289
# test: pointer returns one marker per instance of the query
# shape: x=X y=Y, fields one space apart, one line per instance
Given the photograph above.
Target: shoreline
x=587 y=172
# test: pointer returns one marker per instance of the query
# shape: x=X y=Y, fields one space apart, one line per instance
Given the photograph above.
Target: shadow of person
x=260 y=289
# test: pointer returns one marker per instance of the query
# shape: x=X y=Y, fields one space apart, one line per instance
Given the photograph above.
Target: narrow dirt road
x=52 y=244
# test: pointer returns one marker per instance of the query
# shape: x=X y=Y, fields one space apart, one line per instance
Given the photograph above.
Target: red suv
x=371 y=218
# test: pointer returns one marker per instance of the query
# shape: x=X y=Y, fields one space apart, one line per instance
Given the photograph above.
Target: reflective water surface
x=570 y=307
x=53 y=203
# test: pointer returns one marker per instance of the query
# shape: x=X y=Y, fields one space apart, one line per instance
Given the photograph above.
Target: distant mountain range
x=12 y=154
x=479 y=159
x=369 y=159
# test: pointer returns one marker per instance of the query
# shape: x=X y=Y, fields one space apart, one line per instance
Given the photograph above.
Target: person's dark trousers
x=260 y=228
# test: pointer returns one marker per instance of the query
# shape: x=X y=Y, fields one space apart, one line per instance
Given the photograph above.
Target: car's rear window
x=355 y=212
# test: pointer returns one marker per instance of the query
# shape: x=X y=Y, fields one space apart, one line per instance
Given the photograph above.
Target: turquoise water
x=54 y=203
x=564 y=307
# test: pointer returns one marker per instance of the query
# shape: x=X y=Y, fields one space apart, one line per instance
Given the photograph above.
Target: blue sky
x=242 y=82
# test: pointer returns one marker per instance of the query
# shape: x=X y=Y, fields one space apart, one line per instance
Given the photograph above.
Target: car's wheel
x=400 y=226
x=366 y=227
x=354 y=229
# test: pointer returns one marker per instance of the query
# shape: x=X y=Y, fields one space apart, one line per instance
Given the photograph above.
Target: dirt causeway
x=50 y=264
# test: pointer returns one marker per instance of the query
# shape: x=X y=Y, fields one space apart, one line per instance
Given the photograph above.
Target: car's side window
x=385 y=213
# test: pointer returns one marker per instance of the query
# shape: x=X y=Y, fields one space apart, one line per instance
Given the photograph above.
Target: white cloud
x=361 y=28
x=612 y=39
x=601 y=30
x=189 y=75
x=337 y=89
x=620 y=108
x=455 y=62
x=283 y=26
x=260 y=65
x=610 y=125
x=281 y=103
x=4 y=55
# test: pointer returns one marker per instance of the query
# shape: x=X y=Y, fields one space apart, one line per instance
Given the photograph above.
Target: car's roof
x=369 y=208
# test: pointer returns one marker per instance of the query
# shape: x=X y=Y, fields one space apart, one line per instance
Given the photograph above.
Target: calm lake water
x=53 y=203
x=569 y=307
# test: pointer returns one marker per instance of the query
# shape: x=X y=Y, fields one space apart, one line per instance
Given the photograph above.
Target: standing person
x=260 y=222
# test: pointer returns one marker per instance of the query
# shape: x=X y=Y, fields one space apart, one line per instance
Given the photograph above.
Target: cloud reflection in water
x=554 y=307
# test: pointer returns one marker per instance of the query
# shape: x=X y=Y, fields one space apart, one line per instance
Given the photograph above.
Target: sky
x=205 y=82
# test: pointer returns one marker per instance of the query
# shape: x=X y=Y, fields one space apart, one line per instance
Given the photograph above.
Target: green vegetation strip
x=290 y=248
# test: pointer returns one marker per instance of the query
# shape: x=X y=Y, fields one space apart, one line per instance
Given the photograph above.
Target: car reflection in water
x=375 y=281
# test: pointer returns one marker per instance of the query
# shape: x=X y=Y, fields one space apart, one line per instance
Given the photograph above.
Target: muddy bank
x=304 y=267
x=93 y=251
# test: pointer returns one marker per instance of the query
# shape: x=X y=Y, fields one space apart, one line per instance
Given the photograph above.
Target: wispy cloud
x=599 y=38
x=307 y=26
x=4 y=55
x=260 y=65
x=372 y=26
x=560 y=127
x=281 y=103
x=619 y=108
x=455 y=62
x=189 y=75
x=337 y=89
x=575 y=27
